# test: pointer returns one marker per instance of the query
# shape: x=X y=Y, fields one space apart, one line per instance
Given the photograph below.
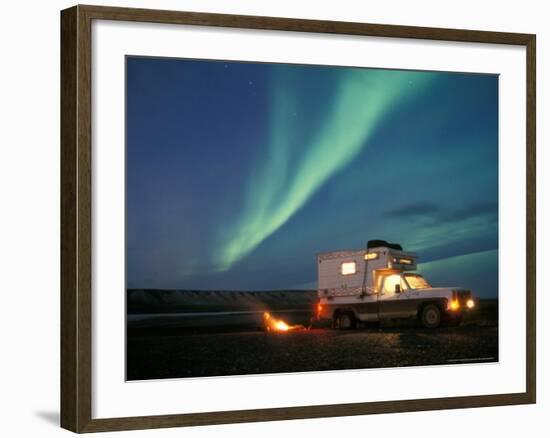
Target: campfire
x=278 y=325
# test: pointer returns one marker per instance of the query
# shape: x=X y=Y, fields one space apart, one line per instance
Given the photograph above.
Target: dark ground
x=175 y=346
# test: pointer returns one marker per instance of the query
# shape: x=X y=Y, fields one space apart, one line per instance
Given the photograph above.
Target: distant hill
x=141 y=301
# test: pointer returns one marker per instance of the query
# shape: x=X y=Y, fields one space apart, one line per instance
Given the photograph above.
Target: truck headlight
x=454 y=305
x=470 y=303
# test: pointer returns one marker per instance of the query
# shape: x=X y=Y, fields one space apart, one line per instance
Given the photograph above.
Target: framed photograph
x=269 y=218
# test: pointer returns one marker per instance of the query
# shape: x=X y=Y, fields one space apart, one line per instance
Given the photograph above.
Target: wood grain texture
x=339 y=410
x=76 y=222
x=69 y=328
x=299 y=25
x=531 y=250
x=76 y=186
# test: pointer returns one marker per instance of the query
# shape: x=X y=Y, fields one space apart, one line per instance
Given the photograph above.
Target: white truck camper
x=379 y=284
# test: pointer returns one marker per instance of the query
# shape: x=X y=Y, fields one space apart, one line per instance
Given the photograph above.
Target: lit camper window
x=348 y=268
x=402 y=261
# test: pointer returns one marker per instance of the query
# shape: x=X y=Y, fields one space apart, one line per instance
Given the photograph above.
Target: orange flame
x=282 y=326
x=278 y=325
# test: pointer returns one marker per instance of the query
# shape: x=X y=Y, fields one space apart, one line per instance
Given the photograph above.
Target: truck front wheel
x=345 y=321
x=431 y=316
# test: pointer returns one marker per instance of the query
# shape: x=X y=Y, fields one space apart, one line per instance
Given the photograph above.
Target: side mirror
x=397 y=288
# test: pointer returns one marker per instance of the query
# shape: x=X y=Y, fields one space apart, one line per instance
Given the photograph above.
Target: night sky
x=239 y=173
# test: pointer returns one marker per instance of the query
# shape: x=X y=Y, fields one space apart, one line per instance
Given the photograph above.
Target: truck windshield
x=416 y=281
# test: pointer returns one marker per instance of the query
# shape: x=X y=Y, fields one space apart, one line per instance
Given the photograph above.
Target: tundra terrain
x=200 y=334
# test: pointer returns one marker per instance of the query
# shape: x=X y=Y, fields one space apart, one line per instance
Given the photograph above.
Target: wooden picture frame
x=76 y=218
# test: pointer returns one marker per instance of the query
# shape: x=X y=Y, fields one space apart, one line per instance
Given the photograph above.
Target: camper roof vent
x=377 y=243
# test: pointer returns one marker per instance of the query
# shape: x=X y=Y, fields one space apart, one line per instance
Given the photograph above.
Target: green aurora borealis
x=362 y=98
x=239 y=173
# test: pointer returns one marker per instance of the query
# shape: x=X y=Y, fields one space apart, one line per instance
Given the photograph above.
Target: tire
x=431 y=316
x=345 y=321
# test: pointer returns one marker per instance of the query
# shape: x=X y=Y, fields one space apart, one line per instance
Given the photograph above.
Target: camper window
x=348 y=268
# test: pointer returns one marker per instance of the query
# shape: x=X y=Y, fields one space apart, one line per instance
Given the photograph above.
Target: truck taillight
x=319 y=308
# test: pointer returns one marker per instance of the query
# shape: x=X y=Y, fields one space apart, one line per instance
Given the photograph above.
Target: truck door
x=392 y=303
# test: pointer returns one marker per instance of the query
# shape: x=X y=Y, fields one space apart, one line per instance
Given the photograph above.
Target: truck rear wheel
x=431 y=316
x=345 y=321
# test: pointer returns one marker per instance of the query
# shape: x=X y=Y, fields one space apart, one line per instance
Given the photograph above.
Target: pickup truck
x=379 y=283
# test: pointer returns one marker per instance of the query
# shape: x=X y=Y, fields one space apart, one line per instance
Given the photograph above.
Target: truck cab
x=379 y=283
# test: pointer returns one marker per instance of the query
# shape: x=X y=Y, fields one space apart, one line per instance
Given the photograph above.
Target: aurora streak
x=362 y=99
x=238 y=173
